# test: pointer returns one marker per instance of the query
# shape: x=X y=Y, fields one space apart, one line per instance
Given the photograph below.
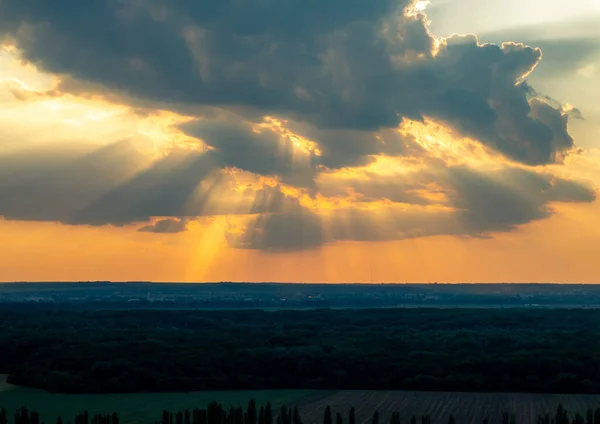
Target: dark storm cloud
x=344 y=73
x=346 y=148
x=265 y=153
x=291 y=230
x=237 y=145
x=51 y=184
x=331 y=64
x=165 y=226
x=502 y=200
x=118 y=185
x=483 y=86
x=163 y=189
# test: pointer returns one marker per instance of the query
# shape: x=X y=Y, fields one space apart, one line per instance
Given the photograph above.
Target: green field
x=142 y=408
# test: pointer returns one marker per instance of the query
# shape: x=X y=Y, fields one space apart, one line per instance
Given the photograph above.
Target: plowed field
x=467 y=408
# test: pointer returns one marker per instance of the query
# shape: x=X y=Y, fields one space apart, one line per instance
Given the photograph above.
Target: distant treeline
x=515 y=350
x=104 y=295
x=216 y=413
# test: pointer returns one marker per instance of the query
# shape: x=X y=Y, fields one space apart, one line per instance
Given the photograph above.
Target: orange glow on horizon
x=565 y=247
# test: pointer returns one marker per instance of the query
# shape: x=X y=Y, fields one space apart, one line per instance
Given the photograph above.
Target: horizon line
x=291 y=283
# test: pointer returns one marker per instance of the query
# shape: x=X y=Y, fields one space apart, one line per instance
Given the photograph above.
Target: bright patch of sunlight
x=421 y=5
x=279 y=126
x=443 y=143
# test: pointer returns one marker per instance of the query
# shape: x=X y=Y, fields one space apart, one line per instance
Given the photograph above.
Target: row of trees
x=215 y=413
x=562 y=417
x=25 y=416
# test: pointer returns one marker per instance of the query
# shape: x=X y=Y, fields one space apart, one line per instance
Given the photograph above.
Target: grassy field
x=143 y=408
x=467 y=408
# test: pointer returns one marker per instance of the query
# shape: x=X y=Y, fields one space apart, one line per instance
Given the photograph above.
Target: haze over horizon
x=299 y=141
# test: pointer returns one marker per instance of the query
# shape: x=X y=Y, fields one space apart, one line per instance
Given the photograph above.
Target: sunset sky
x=300 y=140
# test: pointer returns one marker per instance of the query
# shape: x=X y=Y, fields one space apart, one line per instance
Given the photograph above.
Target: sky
x=300 y=140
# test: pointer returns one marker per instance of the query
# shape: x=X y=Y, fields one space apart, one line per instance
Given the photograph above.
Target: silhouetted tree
x=285 y=415
x=561 y=416
x=352 y=416
x=296 y=417
x=375 y=419
x=339 y=419
x=251 y=412
x=214 y=413
x=268 y=414
x=327 y=417
x=413 y=420
x=451 y=419
x=3 y=416
x=239 y=416
x=22 y=416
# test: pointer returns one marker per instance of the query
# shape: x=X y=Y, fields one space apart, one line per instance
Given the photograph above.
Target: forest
x=523 y=350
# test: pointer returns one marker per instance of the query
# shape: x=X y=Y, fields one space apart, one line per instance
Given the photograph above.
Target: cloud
x=284 y=231
x=53 y=183
x=260 y=151
x=347 y=148
x=119 y=185
x=568 y=44
x=505 y=199
x=475 y=204
x=344 y=66
x=290 y=110
x=563 y=54
x=563 y=57
x=165 y=226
